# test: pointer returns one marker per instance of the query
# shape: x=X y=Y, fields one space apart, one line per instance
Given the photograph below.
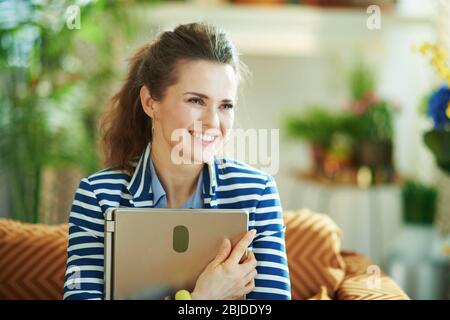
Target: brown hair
x=125 y=128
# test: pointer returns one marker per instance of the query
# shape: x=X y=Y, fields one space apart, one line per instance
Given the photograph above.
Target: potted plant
x=419 y=203
x=412 y=265
x=437 y=139
x=371 y=126
x=330 y=146
x=358 y=137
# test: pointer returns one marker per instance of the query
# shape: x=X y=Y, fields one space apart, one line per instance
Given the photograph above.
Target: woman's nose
x=211 y=118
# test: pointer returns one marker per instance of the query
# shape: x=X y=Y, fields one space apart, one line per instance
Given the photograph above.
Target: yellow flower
x=438 y=59
x=442 y=70
x=423 y=49
x=441 y=54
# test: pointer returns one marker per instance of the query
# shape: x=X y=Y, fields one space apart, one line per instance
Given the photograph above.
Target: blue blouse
x=159 y=194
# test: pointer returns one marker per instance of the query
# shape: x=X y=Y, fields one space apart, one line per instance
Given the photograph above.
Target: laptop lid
x=153 y=252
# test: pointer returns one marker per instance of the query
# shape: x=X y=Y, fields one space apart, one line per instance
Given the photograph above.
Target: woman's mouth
x=205 y=139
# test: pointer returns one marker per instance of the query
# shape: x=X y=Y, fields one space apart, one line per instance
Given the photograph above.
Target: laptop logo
x=180 y=239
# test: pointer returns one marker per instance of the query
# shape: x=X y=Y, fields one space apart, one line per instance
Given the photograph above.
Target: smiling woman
x=183 y=85
x=186 y=70
x=198 y=105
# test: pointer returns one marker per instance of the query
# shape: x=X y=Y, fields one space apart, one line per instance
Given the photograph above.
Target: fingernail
x=253 y=232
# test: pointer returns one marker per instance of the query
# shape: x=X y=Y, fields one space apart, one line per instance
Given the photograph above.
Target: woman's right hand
x=225 y=278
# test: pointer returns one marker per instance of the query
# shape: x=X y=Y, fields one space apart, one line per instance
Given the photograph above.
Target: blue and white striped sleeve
x=85 y=252
x=272 y=281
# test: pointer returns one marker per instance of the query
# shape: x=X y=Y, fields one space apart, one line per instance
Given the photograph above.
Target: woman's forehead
x=215 y=80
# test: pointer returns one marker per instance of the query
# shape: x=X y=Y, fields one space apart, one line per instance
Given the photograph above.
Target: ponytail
x=125 y=128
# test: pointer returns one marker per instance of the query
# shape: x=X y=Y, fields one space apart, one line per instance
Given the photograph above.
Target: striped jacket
x=226 y=184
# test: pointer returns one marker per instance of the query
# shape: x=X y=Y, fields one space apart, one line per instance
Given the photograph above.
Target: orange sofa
x=33 y=260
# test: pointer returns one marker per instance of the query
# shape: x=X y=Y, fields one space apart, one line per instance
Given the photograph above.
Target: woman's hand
x=225 y=278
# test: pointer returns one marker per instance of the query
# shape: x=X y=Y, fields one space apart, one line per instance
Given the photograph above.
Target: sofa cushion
x=313 y=243
x=366 y=281
x=32 y=260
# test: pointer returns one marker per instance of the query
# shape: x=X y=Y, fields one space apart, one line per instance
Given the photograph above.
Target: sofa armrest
x=366 y=281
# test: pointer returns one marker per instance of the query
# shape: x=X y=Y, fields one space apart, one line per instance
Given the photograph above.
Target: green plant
x=362 y=81
x=359 y=136
x=317 y=125
x=374 y=125
x=438 y=141
x=373 y=117
x=369 y=118
x=54 y=81
x=419 y=203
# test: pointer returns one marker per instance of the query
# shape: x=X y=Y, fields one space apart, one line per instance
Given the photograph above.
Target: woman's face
x=197 y=112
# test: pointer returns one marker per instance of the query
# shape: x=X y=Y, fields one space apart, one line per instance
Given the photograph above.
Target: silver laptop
x=151 y=253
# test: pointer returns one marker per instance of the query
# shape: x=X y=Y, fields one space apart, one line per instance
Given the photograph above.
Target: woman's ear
x=148 y=103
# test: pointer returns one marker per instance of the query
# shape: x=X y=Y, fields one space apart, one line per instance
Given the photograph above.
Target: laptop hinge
x=110 y=226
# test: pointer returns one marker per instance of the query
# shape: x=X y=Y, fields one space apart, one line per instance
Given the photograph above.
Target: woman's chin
x=204 y=158
x=204 y=155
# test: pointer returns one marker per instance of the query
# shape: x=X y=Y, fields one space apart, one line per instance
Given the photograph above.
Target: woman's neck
x=178 y=180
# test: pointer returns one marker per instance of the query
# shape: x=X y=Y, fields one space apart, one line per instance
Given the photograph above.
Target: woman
x=184 y=84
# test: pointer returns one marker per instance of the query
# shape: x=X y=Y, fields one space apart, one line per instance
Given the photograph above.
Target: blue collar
x=140 y=185
x=157 y=188
x=159 y=194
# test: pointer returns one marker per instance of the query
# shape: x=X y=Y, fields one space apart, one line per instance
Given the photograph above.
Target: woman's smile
x=203 y=138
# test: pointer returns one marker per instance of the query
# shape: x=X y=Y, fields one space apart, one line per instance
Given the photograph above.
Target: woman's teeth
x=203 y=137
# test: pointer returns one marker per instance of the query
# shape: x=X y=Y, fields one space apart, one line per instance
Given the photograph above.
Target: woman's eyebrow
x=204 y=96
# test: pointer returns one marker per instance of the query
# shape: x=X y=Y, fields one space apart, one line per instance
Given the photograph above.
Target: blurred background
x=358 y=90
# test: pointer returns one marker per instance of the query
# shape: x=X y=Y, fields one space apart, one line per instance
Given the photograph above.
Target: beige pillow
x=32 y=260
x=313 y=243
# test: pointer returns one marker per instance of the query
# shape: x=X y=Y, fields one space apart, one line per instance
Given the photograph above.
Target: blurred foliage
x=438 y=141
x=419 y=203
x=359 y=136
x=54 y=79
x=369 y=118
x=375 y=124
x=318 y=125
x=361 y=81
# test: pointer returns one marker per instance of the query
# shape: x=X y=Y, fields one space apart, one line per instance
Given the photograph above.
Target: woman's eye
x=195 y=100
x=228 y=106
